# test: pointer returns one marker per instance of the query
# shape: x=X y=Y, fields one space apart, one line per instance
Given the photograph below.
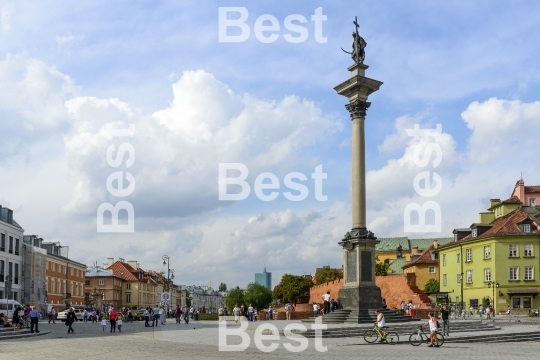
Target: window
x=487 y=274
x=458 y=278
x=527 y=228
x=514 y=273
x=128 y=298
x=474 y=232
x=16 y=273
x=47 y=265
x=528 y=273
x=15 y=296
x=532 y=202
x=469 y=276
x=487 y=252
x=10 y=245
x=10 y=270
x=512 y=250
x=128 y=286
x=2 y=265
x=444 y=260
x=2 y=242
x=52 y=286
x=474 y=303
x=87 y=282
x=468 y=254
x=431 y=269
x=16 y=246
x=528 y=250
x=101 y=282
x=458 y=257
x=71 y=270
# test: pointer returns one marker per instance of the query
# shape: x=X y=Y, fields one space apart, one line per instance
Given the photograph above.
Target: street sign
x=165 y=297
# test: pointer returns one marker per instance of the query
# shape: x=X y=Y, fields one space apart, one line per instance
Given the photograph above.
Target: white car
x=62 y=315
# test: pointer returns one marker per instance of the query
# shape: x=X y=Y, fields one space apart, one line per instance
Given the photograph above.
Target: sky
x=71 y=71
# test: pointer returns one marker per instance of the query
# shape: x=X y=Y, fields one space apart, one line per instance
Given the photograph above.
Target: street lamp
x=493 y=285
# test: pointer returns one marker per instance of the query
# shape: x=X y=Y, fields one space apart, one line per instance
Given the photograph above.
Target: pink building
x=528 y=195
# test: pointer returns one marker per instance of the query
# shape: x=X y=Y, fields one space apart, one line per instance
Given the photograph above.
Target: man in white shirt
x=381 y=323
x=326 y=299
x=250 y=312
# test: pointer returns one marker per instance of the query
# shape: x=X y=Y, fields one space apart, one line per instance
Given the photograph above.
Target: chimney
x=134 y=264
x=109 y=262
x=414 y=251
x=493 y=202
x=435 y=244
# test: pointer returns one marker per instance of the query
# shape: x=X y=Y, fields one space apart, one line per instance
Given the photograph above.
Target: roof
x=423 y=244
x=513 y=200
x=397 y=265
x=424 y=258
x=124 y=270
x=523 y=291
x=532 y=189
x=95 y=272
x=391 y=244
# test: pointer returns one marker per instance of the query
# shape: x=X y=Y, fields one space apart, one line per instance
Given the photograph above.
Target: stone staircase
x=10 y=334
x=362 y=316
x=404 y=330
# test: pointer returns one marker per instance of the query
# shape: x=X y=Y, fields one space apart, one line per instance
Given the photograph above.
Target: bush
x=208 y=317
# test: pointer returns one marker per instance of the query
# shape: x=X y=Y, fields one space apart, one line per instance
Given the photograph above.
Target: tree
x=381 y=269
x=258 y=296
x=293 y=289
x=327 y=274
x=432 y=286
x=188 y=298
x=236 y=297
x=222 y=287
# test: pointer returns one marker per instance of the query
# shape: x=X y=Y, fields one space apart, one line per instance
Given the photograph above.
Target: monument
x=359 y=291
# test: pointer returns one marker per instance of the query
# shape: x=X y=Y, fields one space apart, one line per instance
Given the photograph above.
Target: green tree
x=236 y=297
x=432 y=286
x=258 y=296
x=188 y=298
x=327 y=274
x=222 y=287
x=381 y=269
x=293 y=289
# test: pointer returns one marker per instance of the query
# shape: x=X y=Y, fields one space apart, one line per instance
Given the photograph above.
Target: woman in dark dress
x=71 y=318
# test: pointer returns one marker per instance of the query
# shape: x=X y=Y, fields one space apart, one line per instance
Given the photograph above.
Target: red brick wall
x=317 y=291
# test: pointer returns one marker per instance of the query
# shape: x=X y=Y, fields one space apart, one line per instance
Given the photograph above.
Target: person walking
x=15 y=320
x=34 y=320
x=70 y=319
x=250 y=312
x=177 y=314
x=146 y=315
x=163 y=315
x=52 y=315
x=85 y=316
x=186 y=315
x=445 y=320
x=220 y=313
x=433 y=329
x=113 y=316
x=236 y=312
x=326 y=303
x=488 y=313
x=315 y=309
x=288 y=311
x=119 y=322
x=103 y=324
x=156 y=311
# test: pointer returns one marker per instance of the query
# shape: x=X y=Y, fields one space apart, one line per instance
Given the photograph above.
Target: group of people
x=329 y=305
x=406 y=308
x=27 y=317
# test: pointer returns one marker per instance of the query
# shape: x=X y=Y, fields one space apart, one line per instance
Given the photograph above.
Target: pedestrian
x=471 y=311
x=162 y=315
x=433 y=329
x=103 y=323
x=113 y=316
x=156 y=316
x=250 y=313
x=326 y=304
x=288 y=311
x=146 y=317
x=85 y=316
x=119 y=322
x=236 y=312
x=383 y=303
x=220 y=313
x=34 y=320
x=129 y=316
x=70 y=319
x=177 y=314
x=315 y=309
x=16 y=319
x=186 y=315
x=445 y=320
x=488 y=313
x=403 y=307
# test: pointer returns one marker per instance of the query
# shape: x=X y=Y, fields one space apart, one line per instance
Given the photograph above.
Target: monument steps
x=10 y=334
x=362 y=316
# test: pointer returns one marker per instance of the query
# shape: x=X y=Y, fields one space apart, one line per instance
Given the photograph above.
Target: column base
x=360 y=297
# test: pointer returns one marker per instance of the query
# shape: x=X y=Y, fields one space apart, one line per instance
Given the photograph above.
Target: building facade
x=424 y=265
x=11 y=256
x=264 y=279
x=102 y=288
x=496 y=260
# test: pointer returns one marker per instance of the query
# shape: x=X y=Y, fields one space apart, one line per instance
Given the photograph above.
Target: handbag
x=67 y=323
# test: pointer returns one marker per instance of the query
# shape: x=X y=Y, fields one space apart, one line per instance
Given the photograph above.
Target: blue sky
x=473 y=67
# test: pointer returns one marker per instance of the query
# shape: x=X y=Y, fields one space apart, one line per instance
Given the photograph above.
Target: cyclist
x=433 y=329
x=380 y=325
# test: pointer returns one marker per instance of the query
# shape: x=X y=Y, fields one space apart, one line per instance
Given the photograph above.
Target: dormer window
x=527 y=228
x=474 y=232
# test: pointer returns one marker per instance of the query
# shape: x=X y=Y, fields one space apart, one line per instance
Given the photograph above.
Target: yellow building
x=424 y=265
x=496 y=259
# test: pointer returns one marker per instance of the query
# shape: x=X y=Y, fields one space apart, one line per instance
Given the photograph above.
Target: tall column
x=359 y=290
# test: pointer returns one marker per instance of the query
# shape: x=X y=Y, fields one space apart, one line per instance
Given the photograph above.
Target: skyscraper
x=264 y=279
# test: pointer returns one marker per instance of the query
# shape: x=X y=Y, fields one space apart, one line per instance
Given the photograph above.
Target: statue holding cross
x=359 y=44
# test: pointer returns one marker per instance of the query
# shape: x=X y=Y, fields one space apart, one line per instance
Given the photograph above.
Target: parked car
x=62 y=315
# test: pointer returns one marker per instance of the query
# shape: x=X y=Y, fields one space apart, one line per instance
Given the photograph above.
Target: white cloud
x=5 y=19
x=67 y=40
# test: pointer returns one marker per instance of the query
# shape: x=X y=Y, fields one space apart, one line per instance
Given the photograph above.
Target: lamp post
x=166 y=259
x=493 y=285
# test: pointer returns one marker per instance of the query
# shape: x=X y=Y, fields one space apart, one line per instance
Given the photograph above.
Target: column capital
x=358 y=108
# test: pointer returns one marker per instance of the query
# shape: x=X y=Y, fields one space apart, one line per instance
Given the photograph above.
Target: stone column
x=359 y=290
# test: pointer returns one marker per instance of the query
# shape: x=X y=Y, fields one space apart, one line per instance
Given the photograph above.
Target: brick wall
x=317 y=291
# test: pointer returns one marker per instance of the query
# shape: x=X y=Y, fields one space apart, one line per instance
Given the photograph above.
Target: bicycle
x=371 y=336
x=417 y=338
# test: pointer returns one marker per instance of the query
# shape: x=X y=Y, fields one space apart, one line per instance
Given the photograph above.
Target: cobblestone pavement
x=199 y=340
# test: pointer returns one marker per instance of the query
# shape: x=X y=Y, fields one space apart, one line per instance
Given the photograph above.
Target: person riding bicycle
x=380 y=324
x=433 y=329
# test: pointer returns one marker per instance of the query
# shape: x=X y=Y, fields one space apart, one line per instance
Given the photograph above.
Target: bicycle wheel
x=392 y=338
x=440 y=337
x=416 y=339
x=371 y=336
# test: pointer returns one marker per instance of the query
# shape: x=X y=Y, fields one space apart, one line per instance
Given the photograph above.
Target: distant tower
x=264 y=279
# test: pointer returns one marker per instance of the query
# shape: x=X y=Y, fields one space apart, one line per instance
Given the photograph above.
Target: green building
x=264 y=279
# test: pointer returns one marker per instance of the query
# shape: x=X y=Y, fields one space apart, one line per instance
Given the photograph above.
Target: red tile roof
x=424 y=258
x=121 y=267
x=532 y=189
x=512 y=200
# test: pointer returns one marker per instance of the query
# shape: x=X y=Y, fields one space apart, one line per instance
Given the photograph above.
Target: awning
x=523 y=291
